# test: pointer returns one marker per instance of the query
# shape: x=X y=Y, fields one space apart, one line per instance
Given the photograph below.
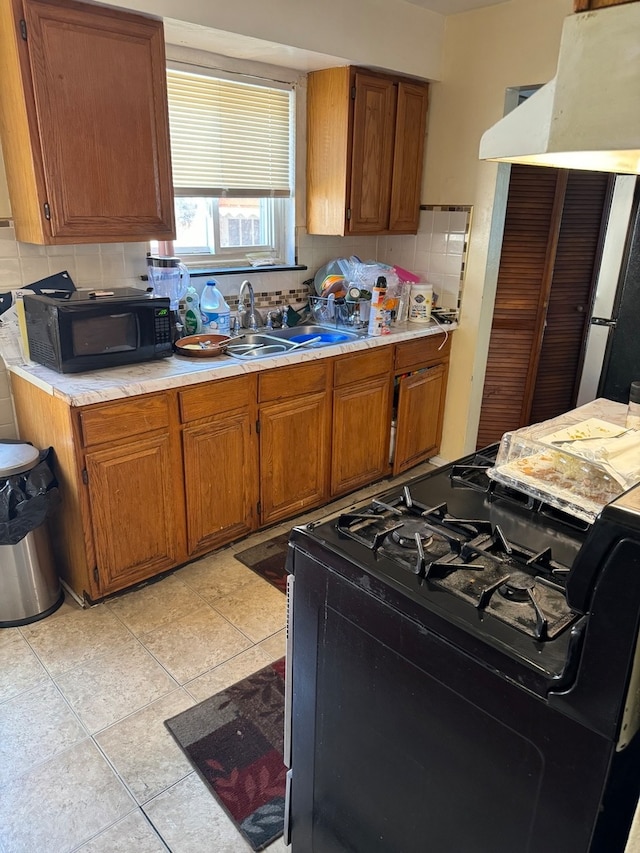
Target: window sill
x=196 y=272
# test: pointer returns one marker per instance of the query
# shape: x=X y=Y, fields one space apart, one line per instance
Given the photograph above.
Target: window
x=232 y=155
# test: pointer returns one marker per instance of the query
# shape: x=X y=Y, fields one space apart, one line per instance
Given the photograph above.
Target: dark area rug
x=267 y=559
x=235 y=742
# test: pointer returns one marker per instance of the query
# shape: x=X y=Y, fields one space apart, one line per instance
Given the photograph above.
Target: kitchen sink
x=271 y=342
x=329 y=334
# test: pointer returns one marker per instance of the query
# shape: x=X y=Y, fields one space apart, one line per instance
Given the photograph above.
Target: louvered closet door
x=550 y=253
x=577 y=260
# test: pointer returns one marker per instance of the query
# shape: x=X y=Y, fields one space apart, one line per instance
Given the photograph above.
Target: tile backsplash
x=436 y=254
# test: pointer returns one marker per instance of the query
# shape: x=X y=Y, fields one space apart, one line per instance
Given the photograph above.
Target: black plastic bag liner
x=27 y=499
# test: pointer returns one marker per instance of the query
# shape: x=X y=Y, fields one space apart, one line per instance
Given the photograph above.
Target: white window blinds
x=228 y=138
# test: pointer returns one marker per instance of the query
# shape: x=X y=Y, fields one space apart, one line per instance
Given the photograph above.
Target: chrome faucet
x=249 y=319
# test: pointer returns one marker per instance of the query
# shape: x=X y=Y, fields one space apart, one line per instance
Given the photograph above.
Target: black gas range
x=453 y=629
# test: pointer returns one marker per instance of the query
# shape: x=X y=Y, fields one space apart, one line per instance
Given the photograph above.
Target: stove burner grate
x=469 y=558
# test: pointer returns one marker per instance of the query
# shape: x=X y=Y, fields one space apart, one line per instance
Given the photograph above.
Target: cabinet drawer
x=292 y=381
x=412 y=353
x=213 y=398
x=361 y=366
x=112 y=421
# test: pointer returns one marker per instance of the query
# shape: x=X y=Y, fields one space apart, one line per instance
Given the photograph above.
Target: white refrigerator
x=612 y=354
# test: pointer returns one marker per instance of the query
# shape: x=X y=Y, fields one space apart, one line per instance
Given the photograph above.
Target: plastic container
x=633 y=411
x=558 y=461
x=216 y=314
x=192 y=315
x=420 y=301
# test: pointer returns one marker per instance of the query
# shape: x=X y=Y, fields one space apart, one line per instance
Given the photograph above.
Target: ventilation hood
x=588 y=116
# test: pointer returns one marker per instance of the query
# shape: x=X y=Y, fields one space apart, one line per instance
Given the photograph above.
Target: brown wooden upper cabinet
x=84 y=124
x=588 y=5
x=365 y=147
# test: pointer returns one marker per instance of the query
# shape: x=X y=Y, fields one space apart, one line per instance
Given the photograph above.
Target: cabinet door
x=411 y=120
x=136 y=510
x=96 y=112
x=372 y=154
x=221 y=480
x=294 y=456
x=419 y=417
x=361 y=427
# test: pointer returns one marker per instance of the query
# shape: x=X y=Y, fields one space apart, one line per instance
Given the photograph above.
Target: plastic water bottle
x=192 y=315
x=216 y=314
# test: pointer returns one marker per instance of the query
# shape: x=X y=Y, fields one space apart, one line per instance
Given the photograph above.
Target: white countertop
x=114 y=383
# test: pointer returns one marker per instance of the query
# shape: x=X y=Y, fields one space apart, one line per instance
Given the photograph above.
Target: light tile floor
x=86 y=763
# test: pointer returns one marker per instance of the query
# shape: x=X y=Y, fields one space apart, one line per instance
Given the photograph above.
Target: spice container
x=633 y=411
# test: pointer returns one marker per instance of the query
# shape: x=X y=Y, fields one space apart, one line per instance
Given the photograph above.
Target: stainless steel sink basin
x=329 y=334
x=275 y=341
x=257 y=345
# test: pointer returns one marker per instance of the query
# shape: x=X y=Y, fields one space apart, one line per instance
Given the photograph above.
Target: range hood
x=588 y=116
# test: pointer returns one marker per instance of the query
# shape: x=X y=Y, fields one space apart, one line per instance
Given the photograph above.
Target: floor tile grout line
x=127 y=716
x=81 y=663
x=181 y=684
x=223 y=663
x=106 y=828
x=39 y=764
x=124 y=782
x=35 y=765
x=196 y=592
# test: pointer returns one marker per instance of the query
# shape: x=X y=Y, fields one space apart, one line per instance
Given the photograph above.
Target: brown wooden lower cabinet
x=149 y=482
x=361 y=419
x=421 y=384
x=221 y=480
x=220 y=457
x=419 y=418
x=136 y=522
x=293 y=456
x=294 y=413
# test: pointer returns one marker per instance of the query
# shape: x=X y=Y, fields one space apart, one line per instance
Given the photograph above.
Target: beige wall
x=485 y=52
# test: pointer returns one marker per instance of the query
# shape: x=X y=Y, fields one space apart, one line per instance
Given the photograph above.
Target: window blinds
x=228 y=138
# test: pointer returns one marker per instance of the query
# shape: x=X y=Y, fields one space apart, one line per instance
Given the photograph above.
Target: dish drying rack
x=348 y=315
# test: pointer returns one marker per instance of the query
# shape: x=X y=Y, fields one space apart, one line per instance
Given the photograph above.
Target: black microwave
x=91 y=330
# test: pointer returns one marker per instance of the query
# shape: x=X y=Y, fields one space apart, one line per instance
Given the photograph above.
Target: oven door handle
x=566 y=679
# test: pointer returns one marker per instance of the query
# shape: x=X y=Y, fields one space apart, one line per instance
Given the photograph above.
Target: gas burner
x=405 y=536
x=517 y=586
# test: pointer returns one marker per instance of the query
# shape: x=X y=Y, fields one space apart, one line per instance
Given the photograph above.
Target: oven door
x=403 y=744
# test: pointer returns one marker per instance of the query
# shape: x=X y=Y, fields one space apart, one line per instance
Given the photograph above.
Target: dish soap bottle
x=192 y=315
x=216 y=314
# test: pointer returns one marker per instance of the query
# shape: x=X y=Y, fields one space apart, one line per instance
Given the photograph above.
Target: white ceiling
x=236 y=46
x=452 y=7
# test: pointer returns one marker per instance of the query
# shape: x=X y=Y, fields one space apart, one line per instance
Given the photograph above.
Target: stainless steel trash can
x=29 y=586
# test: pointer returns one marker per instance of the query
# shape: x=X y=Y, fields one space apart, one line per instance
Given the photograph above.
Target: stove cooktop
x=489 y=558
x=470 y=558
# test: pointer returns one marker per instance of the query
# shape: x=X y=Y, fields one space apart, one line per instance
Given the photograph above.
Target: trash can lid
x=17 y=458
